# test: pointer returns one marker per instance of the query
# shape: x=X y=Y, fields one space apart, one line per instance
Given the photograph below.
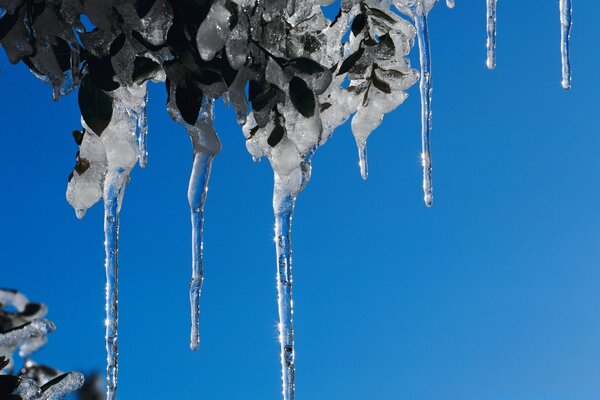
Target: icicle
x=362 y=159
x=450 y=3
x=113 y=195
x=142 y=133
x=426 y=88
x=283 y=207
x=491 y=34
x=197 y=191
x=565 y=36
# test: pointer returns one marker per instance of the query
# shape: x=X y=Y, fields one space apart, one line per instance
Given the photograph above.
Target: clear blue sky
x=493 y=294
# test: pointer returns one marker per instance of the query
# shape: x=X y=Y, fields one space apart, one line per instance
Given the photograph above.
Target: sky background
x=493 y=294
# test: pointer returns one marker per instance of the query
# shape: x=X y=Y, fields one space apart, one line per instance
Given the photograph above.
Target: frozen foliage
x=24 y=329
x=291 y=74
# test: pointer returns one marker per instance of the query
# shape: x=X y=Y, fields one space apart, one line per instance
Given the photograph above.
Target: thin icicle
x=426 y=88
x=565 y=45
x=113 y=195
x=206 y=145
x=491 y=34
x=142 y=133
x=197 y=191
x=363 y=163
x=450 y=3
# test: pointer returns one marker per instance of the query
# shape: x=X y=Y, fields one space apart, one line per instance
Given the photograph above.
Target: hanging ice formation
x=292 y=75
x=565 y=36
x=491 y=33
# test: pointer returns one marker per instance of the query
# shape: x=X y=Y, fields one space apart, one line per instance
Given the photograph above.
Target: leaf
x=95 y=105
x=350 y=61
x=53 y=382
x=381 y=85
x=101 y=72
x=151 y=47
x=117 y=45
x=143 y=7
x=188 y=100
x=8 y=384
x=82 y=165
x=325 y=106
x=144 y=69
x=376 y=12
x=306 y=66
x=359 y=23
x=276 y=135
x=62 y=51
x=7 y=22
x=302 y=97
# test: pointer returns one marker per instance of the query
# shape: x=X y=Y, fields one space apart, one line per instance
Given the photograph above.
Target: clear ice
x=491 y=34
x=426 y=88
x=109 y=157
x=565 y=36
x=206 y=145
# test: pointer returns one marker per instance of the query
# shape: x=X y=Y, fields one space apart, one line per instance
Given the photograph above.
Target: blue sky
x=491 y=294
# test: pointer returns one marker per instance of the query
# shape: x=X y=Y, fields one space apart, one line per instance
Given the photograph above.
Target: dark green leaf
x=82 y=165
x=62 y=51
x=144 y=69
x=102 y=73
x=381 y=85
x=143 y=7
x=8 y=384
x=276 y=135
x=188 y=100
x=6 y=23
x=350 y=61
x=117 y=45
x=359 y=23
x=325 y=106
x=306 y=66
x=302 y=97
x=95 y=105
x=53 y=382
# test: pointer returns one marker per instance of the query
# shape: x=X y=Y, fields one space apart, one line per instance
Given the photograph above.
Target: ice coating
x=56 y=389
x=213 y=31
x=450 y=3
x=27 y=338
x=206 y=145
x=565 y=38
x=491 y=34
x=13 y=298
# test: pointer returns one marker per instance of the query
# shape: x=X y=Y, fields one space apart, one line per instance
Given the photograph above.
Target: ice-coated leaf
x=350 y=61
x=302 y=97
x=358 y=24
x=95 y=105
x=144 y=69
x=188 y=100
x=276 y=135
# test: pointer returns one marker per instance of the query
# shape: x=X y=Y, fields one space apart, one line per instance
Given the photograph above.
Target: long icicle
x=197 y=191
x=283 y=207
x=426 y=88
x=113 y=196
x=491 y=34
x=565 y=39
